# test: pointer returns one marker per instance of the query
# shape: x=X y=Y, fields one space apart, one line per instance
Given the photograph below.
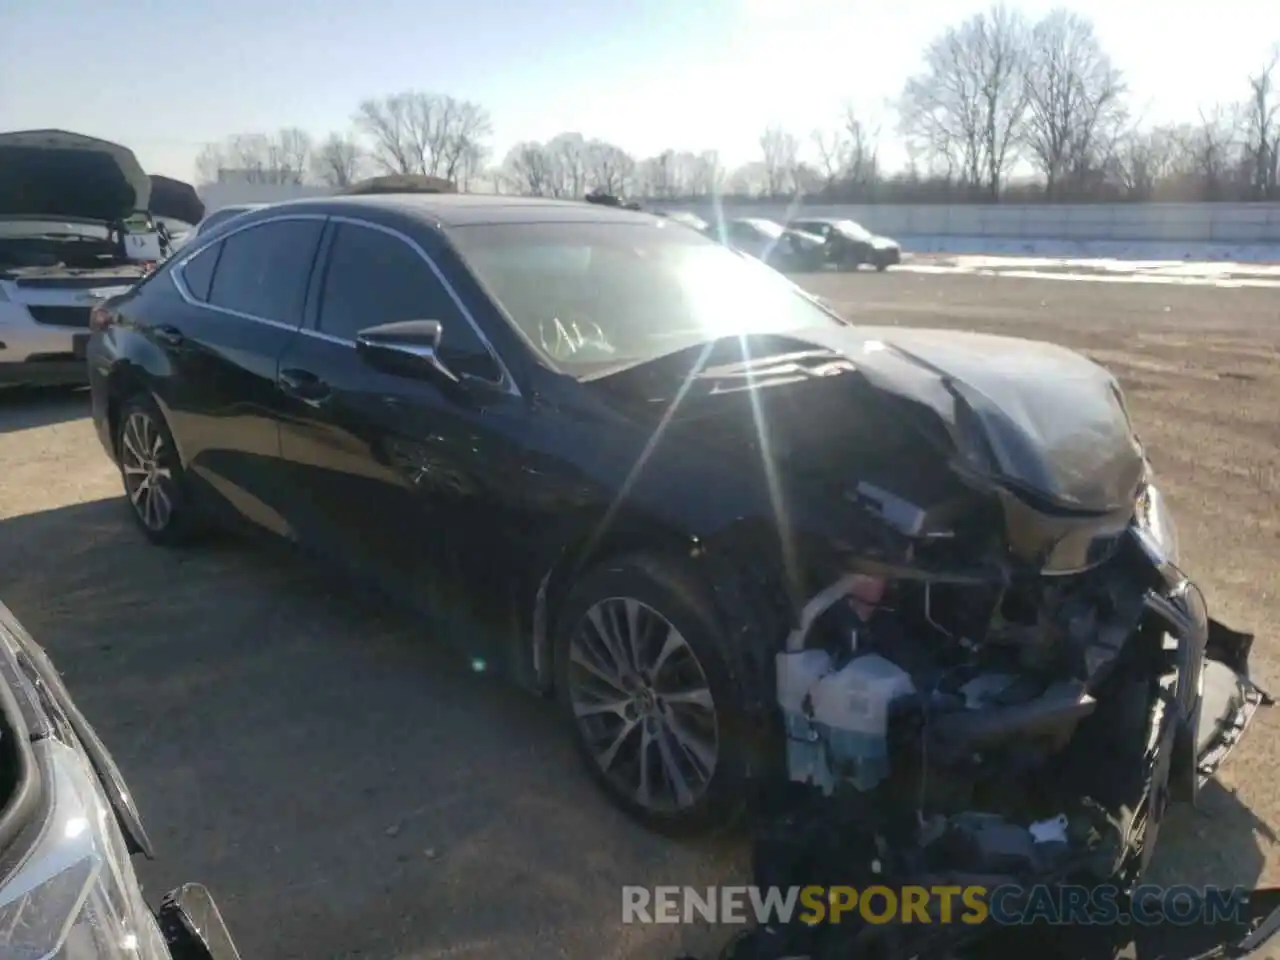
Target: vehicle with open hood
x=77 y=222
x=69 y=829
x=921 y=582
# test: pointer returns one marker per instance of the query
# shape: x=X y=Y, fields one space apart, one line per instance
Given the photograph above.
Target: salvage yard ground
x=349 y=789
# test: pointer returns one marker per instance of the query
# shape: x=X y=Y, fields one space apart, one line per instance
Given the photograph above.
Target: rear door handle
x=169 y=335
x=304 y=385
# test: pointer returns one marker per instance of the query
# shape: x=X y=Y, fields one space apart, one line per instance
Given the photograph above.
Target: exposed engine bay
x=996 y=734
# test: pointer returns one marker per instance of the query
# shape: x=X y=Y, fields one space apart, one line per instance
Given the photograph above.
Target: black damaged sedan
x=740 y=539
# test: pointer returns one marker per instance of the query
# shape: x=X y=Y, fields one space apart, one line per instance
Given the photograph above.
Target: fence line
x=1226 y=223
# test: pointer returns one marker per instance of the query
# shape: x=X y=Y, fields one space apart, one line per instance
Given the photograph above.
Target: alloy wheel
x=148 y=476
x=643 y=704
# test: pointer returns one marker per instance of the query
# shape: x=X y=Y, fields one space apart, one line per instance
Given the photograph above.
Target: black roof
x=462 y=209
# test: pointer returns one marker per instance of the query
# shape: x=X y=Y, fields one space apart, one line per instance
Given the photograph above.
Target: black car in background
x=626 y=465
x=68 y=831
x=785 y=248
x=849 y=245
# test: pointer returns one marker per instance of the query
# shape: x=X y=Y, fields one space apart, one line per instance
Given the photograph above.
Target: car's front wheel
x=641 y=676
x=154 y=481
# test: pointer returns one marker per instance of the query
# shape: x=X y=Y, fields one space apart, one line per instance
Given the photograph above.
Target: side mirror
x=408 y=349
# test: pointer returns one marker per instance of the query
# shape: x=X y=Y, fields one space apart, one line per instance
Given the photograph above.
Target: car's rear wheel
x=642 y=679
x=154 y=482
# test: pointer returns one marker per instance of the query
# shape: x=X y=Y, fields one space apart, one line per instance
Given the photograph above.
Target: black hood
x=1032 y=417
x=59 y=174
x=175 y=199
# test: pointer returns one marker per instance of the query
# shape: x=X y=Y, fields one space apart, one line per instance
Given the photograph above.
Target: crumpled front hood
x=1033 y=417
x=1052 y=421
x=55 y=173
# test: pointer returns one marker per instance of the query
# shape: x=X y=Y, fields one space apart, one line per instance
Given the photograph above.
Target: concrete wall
x=219 y=195
x=1226 y=223
x=1257 y=223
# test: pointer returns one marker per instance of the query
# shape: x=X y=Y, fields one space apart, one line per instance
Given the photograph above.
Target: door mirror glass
x=409 y=348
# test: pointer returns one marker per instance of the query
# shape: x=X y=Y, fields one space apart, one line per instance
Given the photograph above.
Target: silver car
x=68 y=830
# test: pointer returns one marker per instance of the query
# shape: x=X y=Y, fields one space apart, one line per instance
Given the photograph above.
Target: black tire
x=668 y=587
x=881 y=265
x=141 y=419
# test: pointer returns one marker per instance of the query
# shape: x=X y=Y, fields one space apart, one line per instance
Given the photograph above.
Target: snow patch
x=1149 y=250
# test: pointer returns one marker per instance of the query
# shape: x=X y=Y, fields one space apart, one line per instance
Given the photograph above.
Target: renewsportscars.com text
x=1006 y=905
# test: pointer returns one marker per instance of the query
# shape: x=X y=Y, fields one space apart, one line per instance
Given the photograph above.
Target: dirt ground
x=348 y=789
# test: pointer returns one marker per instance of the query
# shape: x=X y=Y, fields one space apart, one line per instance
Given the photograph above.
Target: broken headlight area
x=1012 y=732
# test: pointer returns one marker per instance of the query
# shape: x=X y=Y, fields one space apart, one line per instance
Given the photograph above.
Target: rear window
x=263 y=271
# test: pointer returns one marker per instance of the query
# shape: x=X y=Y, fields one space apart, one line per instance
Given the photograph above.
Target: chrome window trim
x=505 y=382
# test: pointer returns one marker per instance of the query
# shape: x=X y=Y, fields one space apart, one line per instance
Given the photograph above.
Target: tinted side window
x=263 y=271
x=197 y=273
x=375 y=278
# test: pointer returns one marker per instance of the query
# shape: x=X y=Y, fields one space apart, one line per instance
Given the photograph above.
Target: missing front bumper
x=1204 y=704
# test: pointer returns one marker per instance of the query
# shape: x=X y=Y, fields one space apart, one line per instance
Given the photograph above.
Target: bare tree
x=470 y=165
x=458 y=141
x=832 y=148
x=781 y=157
x=706 y=174
x=1074 y=99
x=394 y=127
x=529 y=169
x=1262 y=130
x=337 y=161
x=609 y=167
x=210 y=161
x=289 y=154
x=248 y=156
x=658 y=176
x=849 y=154
x=862 y=158
x=1144 y=159
x=1210 y=150
x=968 y=104
x=748 y=179
x=569 y=159
x=416 y=132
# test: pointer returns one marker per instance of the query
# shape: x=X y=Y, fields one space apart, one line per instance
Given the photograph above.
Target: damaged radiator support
x=1036 y=747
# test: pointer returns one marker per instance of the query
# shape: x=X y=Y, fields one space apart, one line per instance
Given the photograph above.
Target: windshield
x=598 y=295
x=855 y=229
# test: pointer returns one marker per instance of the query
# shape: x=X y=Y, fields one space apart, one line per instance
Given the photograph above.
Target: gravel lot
x=349 y=789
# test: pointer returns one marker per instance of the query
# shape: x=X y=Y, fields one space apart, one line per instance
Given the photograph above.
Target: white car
x=64 y=246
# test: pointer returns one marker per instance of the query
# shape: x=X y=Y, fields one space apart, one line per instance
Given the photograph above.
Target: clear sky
x=166 y=76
